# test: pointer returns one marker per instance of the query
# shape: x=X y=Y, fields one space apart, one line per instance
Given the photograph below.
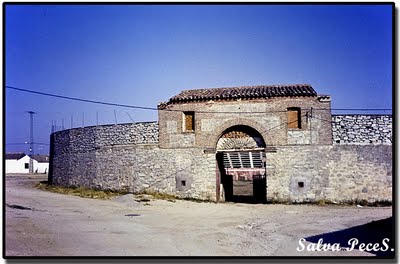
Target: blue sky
x=142 y=55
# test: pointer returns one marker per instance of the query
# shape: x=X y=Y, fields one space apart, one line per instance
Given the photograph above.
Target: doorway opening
x=241 y=174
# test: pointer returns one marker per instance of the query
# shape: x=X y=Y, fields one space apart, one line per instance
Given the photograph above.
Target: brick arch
x=219 y=131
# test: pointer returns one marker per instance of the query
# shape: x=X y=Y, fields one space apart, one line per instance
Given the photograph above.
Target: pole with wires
x=31 y=152
x=311 y=117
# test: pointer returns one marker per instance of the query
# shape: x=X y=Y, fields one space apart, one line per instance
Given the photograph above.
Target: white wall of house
x=18 y=166
x=41 y=167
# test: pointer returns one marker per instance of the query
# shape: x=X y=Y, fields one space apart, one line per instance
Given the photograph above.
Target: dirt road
x=40 y=223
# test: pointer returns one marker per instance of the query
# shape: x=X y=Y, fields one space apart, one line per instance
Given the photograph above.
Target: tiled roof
x=244 y=92
x=41 y=158
x=14 y=156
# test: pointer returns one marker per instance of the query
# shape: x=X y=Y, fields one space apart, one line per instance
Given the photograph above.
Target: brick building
x=240 y=124
x=252 y=143
x=281 y=114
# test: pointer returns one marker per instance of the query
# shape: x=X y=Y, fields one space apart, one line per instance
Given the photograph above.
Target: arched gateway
x=177 y=154
x=241 y=174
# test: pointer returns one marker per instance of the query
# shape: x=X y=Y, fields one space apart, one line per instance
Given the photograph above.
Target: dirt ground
x=41 y=223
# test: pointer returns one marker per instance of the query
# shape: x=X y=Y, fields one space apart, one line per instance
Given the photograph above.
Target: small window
x=300 y=184
x=188 y=121
x=294 y=118
x=26 y=165
x=183 y=183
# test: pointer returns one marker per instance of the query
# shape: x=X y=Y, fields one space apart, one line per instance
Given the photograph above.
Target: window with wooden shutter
x=188 y=121
x=293 y=116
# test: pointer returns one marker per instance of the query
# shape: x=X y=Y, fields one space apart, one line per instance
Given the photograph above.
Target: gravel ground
x=41 y=223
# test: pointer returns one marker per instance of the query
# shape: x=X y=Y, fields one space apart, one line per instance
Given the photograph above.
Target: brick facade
x=267 y=116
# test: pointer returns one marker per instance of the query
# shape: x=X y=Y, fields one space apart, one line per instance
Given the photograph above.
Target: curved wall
x=77 y=157
x=128 y=157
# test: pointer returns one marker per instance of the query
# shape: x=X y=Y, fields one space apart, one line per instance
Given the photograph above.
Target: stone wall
x=87 y=139
x=128 y=157
x=139 y=168
x=335 y=173
x=362 y=129
x=74 y=157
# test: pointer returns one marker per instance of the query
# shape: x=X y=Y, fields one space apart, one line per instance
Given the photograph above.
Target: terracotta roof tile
x=244 y=92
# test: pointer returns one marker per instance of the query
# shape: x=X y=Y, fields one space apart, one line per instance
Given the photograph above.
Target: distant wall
x=362 y=129
x=41 y=167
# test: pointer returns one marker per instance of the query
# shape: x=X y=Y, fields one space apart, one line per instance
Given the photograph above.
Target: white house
x=19 y=163
x=40 y=163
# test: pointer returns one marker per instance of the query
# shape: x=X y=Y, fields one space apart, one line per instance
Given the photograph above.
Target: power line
x=355 y=109
x=321 y=119
x=125 y=105
x=79 y=99
x=175 y=110
x=27 y=143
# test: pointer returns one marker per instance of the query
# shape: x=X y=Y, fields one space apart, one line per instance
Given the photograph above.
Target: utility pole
x=115 y=116
x=311 y=117
x=31 y=113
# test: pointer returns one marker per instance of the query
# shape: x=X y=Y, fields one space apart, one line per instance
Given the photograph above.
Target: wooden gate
x=243 y=175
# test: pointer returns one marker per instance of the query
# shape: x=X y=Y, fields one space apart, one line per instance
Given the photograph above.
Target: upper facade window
x=188 y=121
x=294 y=117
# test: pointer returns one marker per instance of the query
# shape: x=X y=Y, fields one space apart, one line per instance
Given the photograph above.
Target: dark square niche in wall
x=183 y=181
x=300 y=184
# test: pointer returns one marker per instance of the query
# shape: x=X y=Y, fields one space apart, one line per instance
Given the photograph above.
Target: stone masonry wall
x=139 y=168
x=335 y=173
x=87 y=139
x=74 y=159
x=128 y=157
x=362 y=129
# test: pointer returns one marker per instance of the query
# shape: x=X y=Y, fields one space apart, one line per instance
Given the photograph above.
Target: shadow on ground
x=246 y=199
x=372 y=232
